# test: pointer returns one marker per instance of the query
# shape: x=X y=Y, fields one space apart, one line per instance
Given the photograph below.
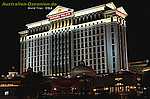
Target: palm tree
x=33 y=85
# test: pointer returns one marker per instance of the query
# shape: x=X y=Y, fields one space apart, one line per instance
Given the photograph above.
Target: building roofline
x=38 y=23
x=23 y=32
x=78 y=13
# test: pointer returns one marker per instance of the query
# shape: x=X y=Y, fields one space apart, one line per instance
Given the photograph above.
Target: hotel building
x=96 y=35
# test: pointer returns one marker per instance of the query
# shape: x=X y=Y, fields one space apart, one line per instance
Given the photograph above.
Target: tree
x=32 y=85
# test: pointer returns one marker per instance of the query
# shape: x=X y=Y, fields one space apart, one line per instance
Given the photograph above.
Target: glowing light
x=118 y=79
x=94 y=89
x=111 y=5
x=120 y=14
x=89 y=10
x=38 y=23
x=146 y=69
x=106 y=88
x=145 y=88
x=119 y=84
x=8 y=85
x=6 y=93
x=132 y=87
x=60 y=15
x=55 y=88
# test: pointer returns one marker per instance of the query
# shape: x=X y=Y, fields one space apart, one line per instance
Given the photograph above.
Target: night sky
x=13 y=20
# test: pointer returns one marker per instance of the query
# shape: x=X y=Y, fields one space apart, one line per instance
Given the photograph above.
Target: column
x=71 y=21
x=60 y=23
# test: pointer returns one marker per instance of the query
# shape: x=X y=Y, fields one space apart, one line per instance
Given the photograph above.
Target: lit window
x=6 y=93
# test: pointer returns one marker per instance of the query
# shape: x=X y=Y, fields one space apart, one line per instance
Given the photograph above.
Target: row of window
x=38 y=48
x=88 y=18
x=37 y=63
x=38 y=42
x=38 y=53
x=38 y=58
x=37 y=69
x=89 y=39
x=77 y=20
x=88 y=44
x=92 y=61
x=61 y=23
x=89 y=50
x=89 y=56
x=64 y=68
x=77 y=34
x=96 y=66
x=67 y=22
x=39 y=29
x=88 y=32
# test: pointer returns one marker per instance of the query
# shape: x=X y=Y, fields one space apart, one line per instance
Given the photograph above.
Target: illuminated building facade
x=96 y=35
x=139 y=66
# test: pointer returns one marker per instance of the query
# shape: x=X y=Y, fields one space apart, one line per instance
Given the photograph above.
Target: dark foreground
x=79 y=97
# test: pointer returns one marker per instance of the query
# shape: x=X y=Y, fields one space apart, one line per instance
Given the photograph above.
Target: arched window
x=69 y=22
x=55 y=24
x=66 y=22
x=81 y=19
x=78 y=21
x=74 y=21
x=52 y=25
x=62 y=23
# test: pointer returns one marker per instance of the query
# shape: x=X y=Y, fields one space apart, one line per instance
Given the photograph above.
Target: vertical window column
x=67 y=20
x=54 y=25
x=65 y=24
x=58 y=24
x=61 y=24
x=71 y=21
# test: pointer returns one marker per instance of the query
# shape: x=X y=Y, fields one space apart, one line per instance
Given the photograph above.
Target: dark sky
x=13 y=19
